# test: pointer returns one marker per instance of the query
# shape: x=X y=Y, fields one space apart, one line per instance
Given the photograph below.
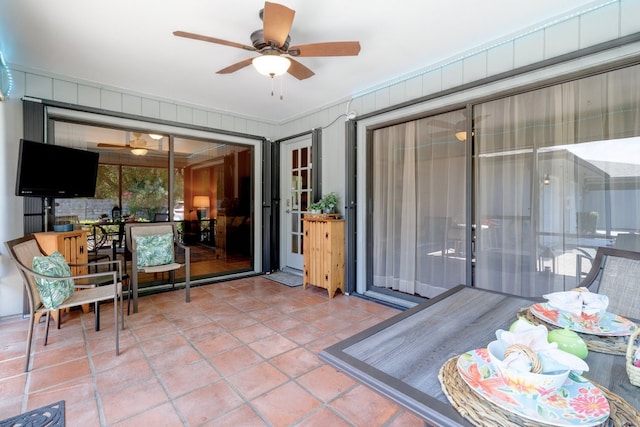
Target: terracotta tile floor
x=242 y=353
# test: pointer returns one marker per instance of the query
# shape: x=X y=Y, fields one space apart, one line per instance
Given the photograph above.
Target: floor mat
x=47 y=416
x=288 y=279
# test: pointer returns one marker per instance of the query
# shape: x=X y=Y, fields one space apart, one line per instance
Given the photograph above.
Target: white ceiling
x=129 y=44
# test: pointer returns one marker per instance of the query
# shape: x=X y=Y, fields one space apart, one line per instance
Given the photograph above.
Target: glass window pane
x=557 y=176
x=419 y=186
x=208 y=194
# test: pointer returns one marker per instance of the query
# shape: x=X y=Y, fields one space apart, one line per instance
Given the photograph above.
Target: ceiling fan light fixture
x=156 y=136
x=271 y=65
x=461 y=136
x=139 y=151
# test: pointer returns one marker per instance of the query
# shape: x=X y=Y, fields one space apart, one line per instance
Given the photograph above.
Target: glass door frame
x=125 y=121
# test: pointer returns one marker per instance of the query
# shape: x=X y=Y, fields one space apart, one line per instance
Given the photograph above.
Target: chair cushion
x=53 y=292
x=154 y=249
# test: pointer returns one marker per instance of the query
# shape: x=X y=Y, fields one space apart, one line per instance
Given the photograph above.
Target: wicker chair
x=615 y=273
x=90 y=288
x=134 y=232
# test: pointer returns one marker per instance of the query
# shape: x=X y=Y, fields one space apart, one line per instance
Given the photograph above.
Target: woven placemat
x=597 y=343
x=481 y=412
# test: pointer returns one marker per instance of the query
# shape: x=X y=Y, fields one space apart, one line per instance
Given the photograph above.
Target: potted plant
x=329 y=203
x=315 y=208
x=326 y=205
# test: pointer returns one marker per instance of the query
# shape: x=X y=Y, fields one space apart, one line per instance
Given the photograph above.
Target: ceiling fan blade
x=326 y=49
x=299 y=71
x=277 y=20
x=235 y=67
x=212 y=40
x=442 y=123
x=116 y=146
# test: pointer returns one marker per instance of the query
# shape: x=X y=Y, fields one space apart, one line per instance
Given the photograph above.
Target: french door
x=297 y=194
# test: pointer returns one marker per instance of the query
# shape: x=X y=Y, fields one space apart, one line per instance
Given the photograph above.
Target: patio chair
x=615 y=273
x=65 y=291
x=153 y=249
x=96 y=240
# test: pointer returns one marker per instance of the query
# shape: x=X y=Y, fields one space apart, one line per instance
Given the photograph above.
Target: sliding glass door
x=557 y=175
x=204 y=185
x=418 y=219
x=554 y=175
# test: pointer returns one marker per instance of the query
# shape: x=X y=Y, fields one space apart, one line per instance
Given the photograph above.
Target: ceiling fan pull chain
x=271 y=85
x=281 y=80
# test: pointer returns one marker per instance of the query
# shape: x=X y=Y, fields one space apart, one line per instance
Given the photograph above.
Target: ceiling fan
x=272 y=42
x=137 y=146
x=457 y=129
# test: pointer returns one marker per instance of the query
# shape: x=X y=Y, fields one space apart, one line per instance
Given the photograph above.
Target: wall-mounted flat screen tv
x=47 y=170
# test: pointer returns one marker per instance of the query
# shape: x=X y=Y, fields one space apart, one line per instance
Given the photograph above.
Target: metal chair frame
x=91 y=288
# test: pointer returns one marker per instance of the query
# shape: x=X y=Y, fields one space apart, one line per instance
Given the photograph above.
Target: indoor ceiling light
x=156 y=136
x=139 y=151
x=462 y=135
x=271 y=65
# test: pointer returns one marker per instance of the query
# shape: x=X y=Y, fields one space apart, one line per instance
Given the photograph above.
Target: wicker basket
x=632 y=371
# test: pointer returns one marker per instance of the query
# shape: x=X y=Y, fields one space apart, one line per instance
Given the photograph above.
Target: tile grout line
x=171 y=400
x=97 y=396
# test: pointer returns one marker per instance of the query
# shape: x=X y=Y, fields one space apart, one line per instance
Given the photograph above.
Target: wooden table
x=401 y=356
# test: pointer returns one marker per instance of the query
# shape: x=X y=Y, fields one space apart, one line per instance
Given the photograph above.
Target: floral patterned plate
x=577 y=402
x=608 y=324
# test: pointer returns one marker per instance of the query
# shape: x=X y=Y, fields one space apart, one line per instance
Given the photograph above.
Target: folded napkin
x=535 y=337
x=578 y=301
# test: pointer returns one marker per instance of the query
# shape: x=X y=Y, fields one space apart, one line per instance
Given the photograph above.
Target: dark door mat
x=287 y=279
x=47 y=416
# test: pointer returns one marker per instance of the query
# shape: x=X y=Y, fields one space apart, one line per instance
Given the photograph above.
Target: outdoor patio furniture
x=153 y=249
x=89 y=288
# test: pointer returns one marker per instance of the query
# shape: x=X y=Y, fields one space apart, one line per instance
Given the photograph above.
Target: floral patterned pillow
x=53 y=292
x=154 y=249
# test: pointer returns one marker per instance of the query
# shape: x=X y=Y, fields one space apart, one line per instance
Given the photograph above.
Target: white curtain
x=547 y=161
x=419 y=182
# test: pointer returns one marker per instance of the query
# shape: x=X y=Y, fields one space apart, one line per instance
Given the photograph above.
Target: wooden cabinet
x=323 y=253
x=71 y=244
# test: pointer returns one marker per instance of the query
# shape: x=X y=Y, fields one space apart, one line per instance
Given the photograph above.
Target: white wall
x=617 y=19
x=11 y=223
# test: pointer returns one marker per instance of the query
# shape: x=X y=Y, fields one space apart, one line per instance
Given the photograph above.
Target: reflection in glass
x=557 y=176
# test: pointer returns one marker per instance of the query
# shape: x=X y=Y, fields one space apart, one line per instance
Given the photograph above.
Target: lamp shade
x=271 y=65
x=201 y=201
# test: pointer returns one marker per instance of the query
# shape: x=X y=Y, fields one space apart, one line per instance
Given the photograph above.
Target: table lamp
x=201 y=203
